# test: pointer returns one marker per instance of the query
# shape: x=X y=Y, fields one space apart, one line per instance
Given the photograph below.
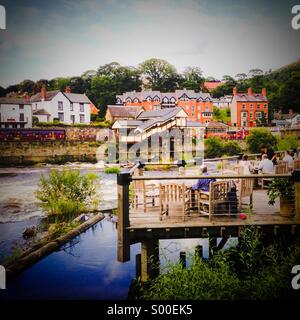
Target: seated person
x=246 y=165
x=203 y=184
x=289 y=159
x=268 y=151
x=266 y=165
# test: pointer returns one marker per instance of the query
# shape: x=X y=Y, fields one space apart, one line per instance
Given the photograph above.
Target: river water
x=86 y=268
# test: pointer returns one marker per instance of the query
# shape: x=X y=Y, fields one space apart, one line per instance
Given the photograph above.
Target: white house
x=68 y=107
x=222 y=102
x=15 y=113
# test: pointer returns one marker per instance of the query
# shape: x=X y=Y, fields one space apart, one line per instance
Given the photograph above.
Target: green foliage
x=221 y=115
x=35 y=120
x=112 y=170
x=259 y=136
x=231 y=148
x=66 y=192
x=215 y=147
x=281 y=187
x=289 y=142
x=248 y=271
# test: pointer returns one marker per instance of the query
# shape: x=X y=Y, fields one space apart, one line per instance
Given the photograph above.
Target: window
x=72 y=118
x=60 y=105
x=128 y=100
x=71 y=106
x=165 y=100
x=251 y=106
x=149 y=99
x=258 y=106
x=193 y=111
x=22 y=126
x=156 y=99
x=81 y=107
x=265 y=106
x=61 y=116
x=172 y=100
x=244 y=123
x=136 y=100
x=243 y=106
x=81 y=118
x=258 y=115
x=251 y=115
x=21 y=106
x=244 y=114
x=22 y=118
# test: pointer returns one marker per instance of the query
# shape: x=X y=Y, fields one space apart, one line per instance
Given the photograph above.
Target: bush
x=66 y=192
x=289 y=142
x=213 y=147
x=232 y=148
x=112 y=170
x=248 y=271
x=260 y=136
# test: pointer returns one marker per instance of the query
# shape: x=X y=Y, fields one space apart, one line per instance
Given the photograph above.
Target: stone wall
x=27 y=153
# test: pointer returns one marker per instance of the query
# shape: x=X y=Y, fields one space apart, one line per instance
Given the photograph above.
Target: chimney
x=264 y=92
x=43 y=92
x=250 y=92
x=68 y=89
x=234 y=91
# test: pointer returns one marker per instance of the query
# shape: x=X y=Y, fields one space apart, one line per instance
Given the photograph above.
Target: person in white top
x=246 y=165
x=266 y=165
x=289 y=159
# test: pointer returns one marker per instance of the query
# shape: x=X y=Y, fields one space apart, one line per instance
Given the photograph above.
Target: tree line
x=102 y=85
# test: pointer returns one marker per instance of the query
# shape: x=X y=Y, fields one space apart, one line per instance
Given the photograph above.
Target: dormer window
x=172 y=100
x=136 y=100
x=149 y=98
x=156 y=99
x=165 y=100
x=128 y=100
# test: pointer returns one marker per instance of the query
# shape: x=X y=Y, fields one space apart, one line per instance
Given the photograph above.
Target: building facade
x=197 y=105
x=222 y=102
x=69 y=108
x=15 y=113
x=249 y=109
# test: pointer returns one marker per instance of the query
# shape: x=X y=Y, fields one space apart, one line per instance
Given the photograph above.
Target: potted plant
x=283 y=189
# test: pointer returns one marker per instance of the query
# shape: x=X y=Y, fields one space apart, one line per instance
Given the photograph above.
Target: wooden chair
x=173 y=197
x=245 y=189
x=216 y=196
x=297 y=164
x=281 y=167
x=144 y=195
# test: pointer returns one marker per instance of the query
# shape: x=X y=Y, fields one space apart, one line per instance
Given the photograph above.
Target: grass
x=112 y=170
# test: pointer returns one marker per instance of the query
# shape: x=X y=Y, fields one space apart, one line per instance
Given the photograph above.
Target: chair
x=144 y=194
x=281 y=167
x=174 y=196
x=208 y=202
x=245 y=189
x=297 y=164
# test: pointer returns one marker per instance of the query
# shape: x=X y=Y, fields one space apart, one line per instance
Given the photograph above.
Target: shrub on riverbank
x=249 y=271
x=66 y=192
x=215 y=147
x=112 y=170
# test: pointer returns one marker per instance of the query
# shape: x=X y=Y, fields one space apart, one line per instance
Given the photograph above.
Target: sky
x=48 y=39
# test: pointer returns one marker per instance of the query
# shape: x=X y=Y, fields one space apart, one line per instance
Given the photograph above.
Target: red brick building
x=248 y=108
x=197 y=105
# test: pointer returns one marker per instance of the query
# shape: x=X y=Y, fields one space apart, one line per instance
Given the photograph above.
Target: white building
x=222 y=102
x=68 y=107
x=15 y=113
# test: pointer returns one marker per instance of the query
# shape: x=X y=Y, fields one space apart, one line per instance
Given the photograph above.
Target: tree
x=255 y=72
x=229 y=80
x=258 y=137
x=59 y=83
x=159 y=74
x=213 y=147
x=192 y=78
x=12 y=88
x=2 y=92
x=232 y=148
x=241 y=76
x=26 y=86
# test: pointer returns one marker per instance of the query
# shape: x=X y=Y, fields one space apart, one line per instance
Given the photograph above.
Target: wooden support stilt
x=138 y=265
x=149 y=260
x=182 y=259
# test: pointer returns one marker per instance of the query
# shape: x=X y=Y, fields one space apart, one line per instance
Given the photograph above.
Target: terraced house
x=248 y=109
x=197 y=105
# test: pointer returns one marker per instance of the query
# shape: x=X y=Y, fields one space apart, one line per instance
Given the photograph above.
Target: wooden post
x=138 y=265
x=123 y=181
x=182 y=259
x=199 y=251
x=296 y=177
x=149 y=260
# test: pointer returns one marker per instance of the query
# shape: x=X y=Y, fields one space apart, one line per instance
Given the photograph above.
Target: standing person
x=269 y=152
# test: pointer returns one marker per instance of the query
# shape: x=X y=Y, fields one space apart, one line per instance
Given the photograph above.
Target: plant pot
x=287 y=207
